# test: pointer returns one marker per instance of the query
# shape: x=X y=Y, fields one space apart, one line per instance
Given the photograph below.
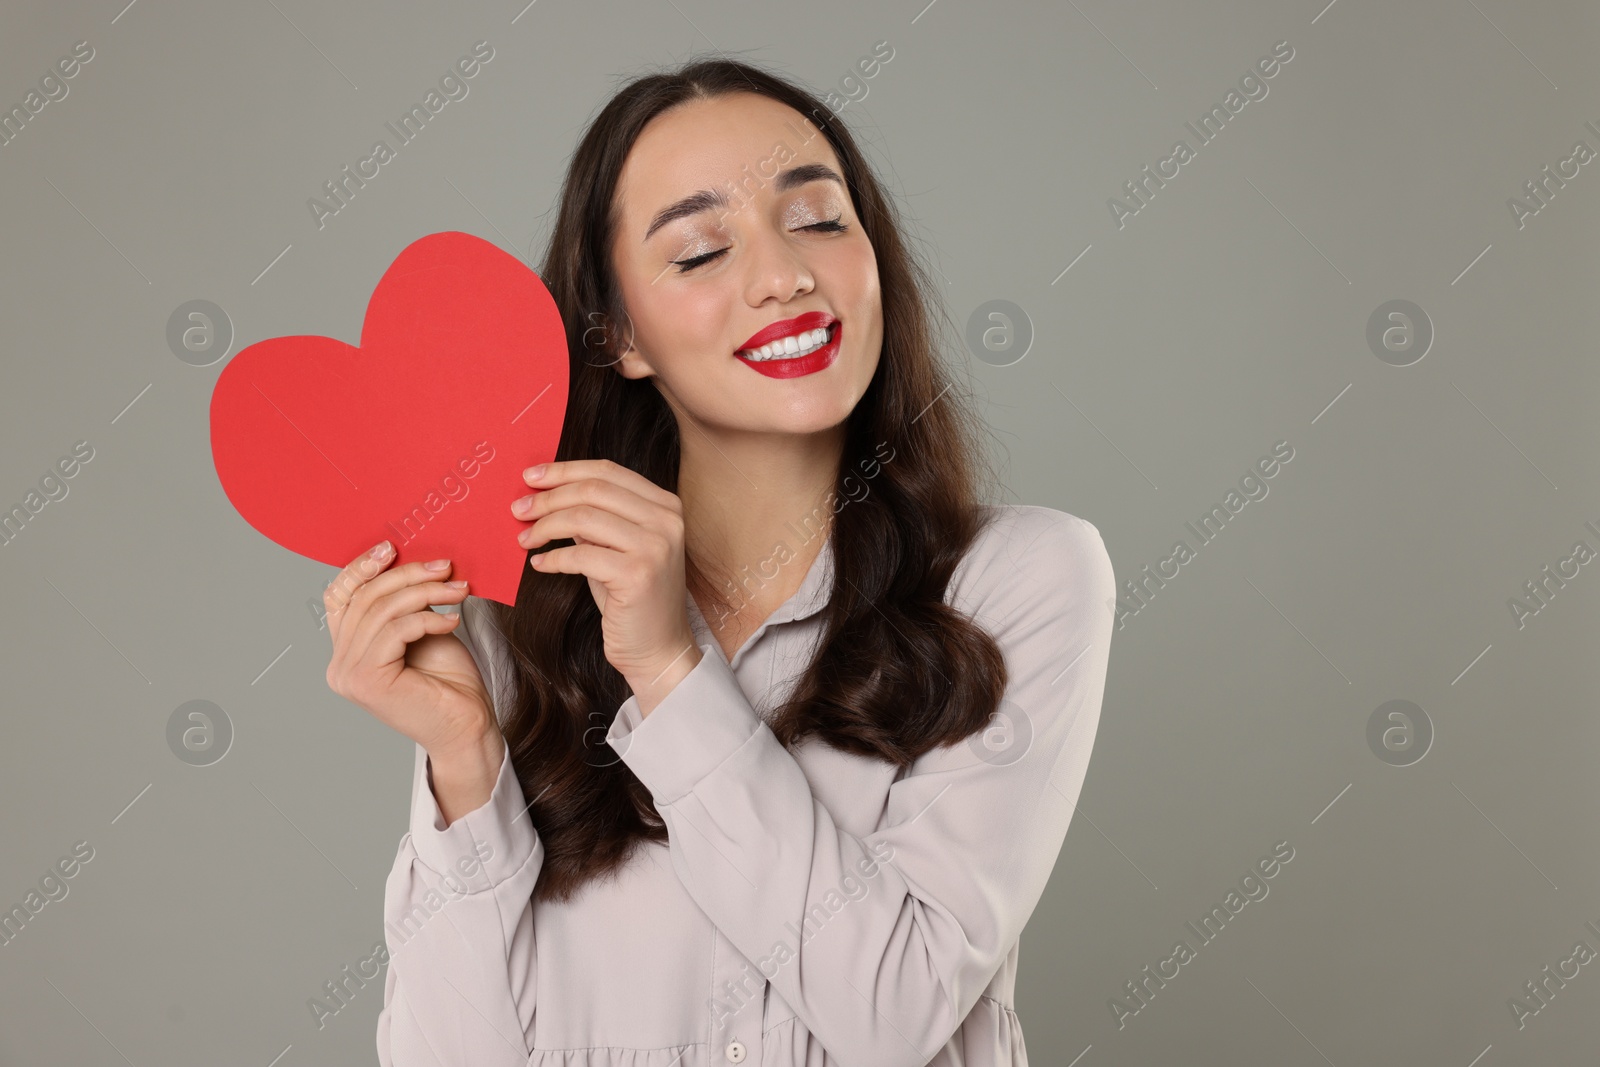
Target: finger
x=602 y=564
x=587 y=523
x=622 y=500
x=402 y=602
x=336 y=596
x=557 y=473
x=391 y=641
x=404 y=630
x=352 y=601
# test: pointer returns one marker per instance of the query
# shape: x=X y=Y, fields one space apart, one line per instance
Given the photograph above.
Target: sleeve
x=965 y=846
x=458 y=920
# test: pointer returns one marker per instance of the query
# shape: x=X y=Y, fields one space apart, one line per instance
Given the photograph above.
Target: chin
x=799 y=421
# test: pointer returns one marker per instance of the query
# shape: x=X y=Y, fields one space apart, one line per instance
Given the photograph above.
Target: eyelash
x=686 y=265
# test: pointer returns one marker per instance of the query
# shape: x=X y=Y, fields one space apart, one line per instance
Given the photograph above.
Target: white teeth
x=789 y=347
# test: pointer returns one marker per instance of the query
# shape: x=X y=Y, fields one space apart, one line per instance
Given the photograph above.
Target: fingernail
x=536 y=471
x=457 y=584
x=381 y=549
x=436 y=564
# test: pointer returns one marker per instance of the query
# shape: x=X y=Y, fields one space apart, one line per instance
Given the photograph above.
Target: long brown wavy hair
x=897 y=672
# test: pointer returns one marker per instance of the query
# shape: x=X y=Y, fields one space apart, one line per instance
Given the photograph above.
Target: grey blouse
x=813 y=908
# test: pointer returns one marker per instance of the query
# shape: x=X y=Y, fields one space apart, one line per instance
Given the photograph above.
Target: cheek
x=675 y=327
x=699 y=324
x=860 y=270
x=865 y=299
x=691 y=347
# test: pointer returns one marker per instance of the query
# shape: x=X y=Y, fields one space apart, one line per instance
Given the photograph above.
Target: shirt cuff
x=485 y=846
x=703 y=721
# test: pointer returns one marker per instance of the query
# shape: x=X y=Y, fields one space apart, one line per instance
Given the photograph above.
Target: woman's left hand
x=629 y=534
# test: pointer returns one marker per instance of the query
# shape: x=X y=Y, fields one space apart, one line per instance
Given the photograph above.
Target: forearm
x=458 y=916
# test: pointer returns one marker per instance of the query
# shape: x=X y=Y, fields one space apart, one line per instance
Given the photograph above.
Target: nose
x=776 y=267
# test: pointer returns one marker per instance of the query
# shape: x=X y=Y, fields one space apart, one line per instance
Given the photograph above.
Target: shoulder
x=1035 y=559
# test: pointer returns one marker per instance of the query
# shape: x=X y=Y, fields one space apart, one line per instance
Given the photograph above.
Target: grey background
x=1228 y=315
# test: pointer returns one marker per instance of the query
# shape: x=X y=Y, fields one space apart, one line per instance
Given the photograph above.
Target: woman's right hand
x=399 y=660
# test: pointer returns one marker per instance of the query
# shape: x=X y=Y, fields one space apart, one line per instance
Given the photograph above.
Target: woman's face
x=768 y=237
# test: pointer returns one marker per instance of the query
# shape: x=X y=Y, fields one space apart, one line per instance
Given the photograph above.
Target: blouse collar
x=806 y=601
x=814 y=591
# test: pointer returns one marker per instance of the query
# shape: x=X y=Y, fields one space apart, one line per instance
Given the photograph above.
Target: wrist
x=651 y=688
x=463 y=775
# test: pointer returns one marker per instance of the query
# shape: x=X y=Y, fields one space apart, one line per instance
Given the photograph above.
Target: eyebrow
x=707 y=199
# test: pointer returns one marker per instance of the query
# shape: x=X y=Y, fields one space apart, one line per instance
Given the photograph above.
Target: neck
x=757 y=509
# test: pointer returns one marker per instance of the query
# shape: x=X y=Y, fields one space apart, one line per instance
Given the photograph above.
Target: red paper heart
x=420 y=435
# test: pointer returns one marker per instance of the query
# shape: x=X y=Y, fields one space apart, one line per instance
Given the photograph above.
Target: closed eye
x=827 y=226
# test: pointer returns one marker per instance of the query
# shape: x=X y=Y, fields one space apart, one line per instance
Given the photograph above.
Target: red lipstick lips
x=794 y=366
x=811 y=320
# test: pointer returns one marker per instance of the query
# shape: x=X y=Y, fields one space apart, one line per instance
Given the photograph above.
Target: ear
x=630 y=363
x=627 y=359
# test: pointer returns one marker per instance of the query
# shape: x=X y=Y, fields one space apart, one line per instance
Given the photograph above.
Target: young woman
x=773 y=757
